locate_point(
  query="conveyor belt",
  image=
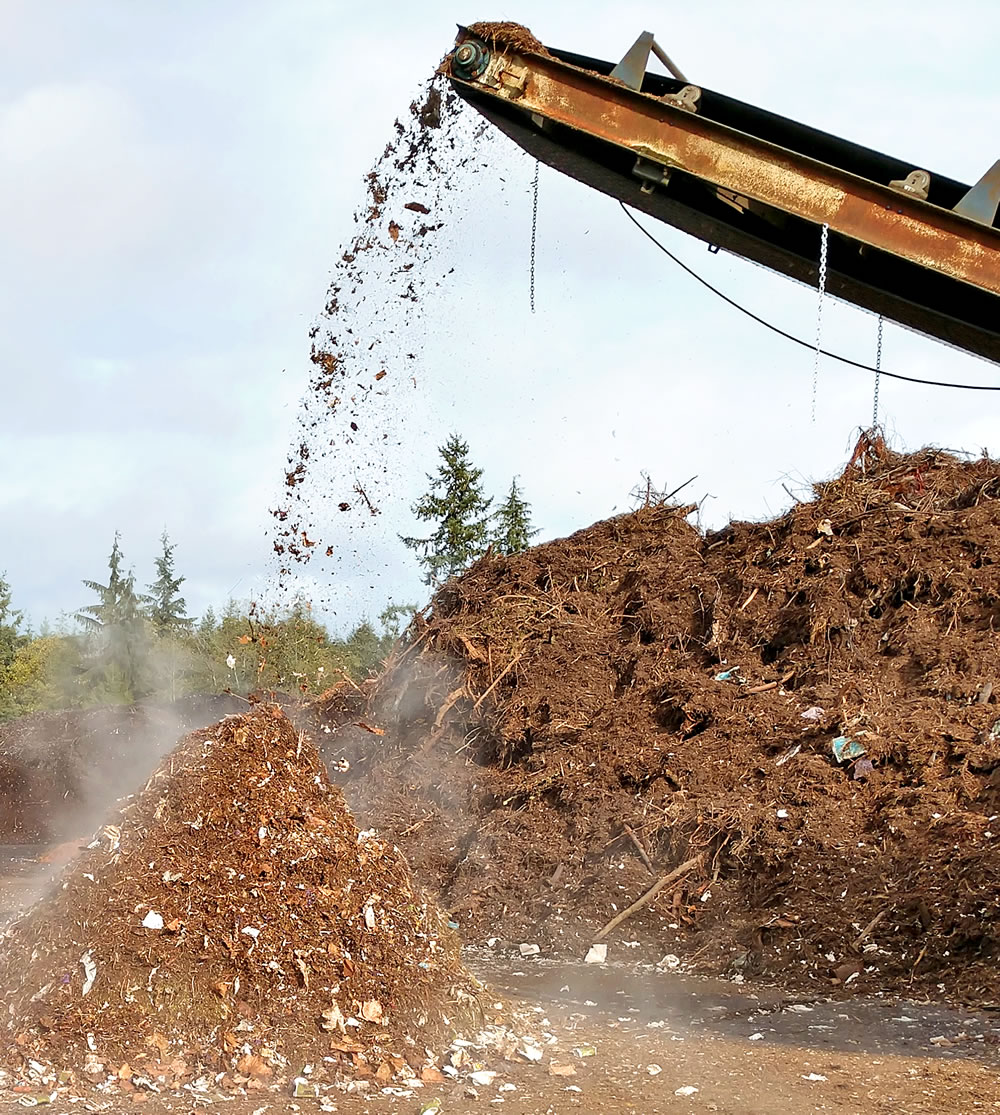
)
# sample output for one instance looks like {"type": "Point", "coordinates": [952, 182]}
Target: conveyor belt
{"type": "Point", "coordinates": [756, 184]}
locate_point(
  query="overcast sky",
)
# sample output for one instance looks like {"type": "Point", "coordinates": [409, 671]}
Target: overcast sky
{"type": "Point", "coordinates": [175, 182]}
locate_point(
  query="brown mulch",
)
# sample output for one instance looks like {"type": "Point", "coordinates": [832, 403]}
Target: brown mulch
{"type": "Point", "coordinates": [61, 771]}
{"type": "Point", "coordinates": [508, 34]}
{"type": "Point", "coordinates": [641, 685]}
{"type": "Point", "coordinates": [233, 920]}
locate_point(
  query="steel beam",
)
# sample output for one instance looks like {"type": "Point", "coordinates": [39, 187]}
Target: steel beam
{"type": "Point", "coordinates": [867, 212]}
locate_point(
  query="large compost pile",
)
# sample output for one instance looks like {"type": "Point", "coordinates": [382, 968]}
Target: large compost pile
{"type": "Point", "coordinates": [232, 919]}
{"type": "Point", "coordinates": [799, 715]}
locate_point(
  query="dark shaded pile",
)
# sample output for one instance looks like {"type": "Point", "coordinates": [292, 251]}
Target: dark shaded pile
{"type": "Point", "coordinates": [556, 699]}
{"type": "Point", "coordinates": [60, 771]}
{"type": "Point", "coordinates": [275, 933]}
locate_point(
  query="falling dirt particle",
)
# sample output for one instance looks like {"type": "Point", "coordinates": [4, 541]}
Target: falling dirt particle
{"type": "Point", "coordinates": [428, 112]}
{"type": "Point", "coordinates": [429, 145]}
{"type": "Point", "coordinates": [343, 507]}
{"type": "Point", "coordinates": [372, 509]}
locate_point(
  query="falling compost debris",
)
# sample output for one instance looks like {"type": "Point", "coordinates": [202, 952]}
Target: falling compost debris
{"type": "Point", "coordinates": [366, 344]}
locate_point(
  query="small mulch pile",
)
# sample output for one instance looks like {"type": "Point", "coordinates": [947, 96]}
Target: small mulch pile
{"type": "Point", "coordinates": [232, 920]}
{"type": "Point", "coordinates": [800, 714]}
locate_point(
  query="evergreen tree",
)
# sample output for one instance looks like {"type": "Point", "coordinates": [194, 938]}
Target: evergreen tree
{"type": "Point", "coordinates": [512, 531]}
{"type": "Point", "coordinates": [11, 635]}
{"type": "Point", "coordinates": [118, 640]}
{"type": "Point", "coordinates": [166, 607]}
{"type": "Point", "coordinates": [392, 618]}
{"type": "Point", "coordinates": [455, 502]}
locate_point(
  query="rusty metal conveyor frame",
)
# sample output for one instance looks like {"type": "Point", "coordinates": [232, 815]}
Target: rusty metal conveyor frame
{"type": "Point", "coordinates": [754, 183]}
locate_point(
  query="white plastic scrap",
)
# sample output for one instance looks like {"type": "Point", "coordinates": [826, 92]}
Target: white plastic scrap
{"type": "Point", "coordinates": [483, 1077]}
{"type": "Point", "coordinates": [598, 954]}
{"type": "Point", "coordinates": [815, 1076]}
{"type": "Point", "coordinates": [89, 972]}
{"type": "Point", "coordinates": [152, 920]}
{"type": "Point", "coordinates": [670, 962]}
{"type": "Point", "coordinates": [528, 950]}
{"type": "Point", "coordinates": [654, 1069]}
{"type": "Point", "coordinates": [530, 1052]}
{"type": "Point", "coordinates": [686, 1090]}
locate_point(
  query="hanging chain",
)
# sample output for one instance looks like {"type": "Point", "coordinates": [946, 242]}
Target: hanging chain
{"type": "Point", "coordinates": [534, 232]}
{"type": "Point", "coordinates": [878, 371]}
{"type": "Point", "coordinates": [823, 245]}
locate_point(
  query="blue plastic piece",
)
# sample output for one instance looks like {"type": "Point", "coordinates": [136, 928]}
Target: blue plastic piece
{"type": "Point", "coordinates": [845, 749]}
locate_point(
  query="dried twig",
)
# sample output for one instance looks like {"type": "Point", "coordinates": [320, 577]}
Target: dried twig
{"type": "Point", "coordinates": [506, 670]}
{"type": "Point", "coordinates": [449, 703]}
{"type": "Point", "coordinates": [654, 890]}
{"type": "Point", "coordinates": [750, 599]}
{"type": "Point", "coordinates": [640, 849]}
{"type": "Point", "coordinates": [768, 685]}
{"type": "Point", "coordinates": [860, 939]}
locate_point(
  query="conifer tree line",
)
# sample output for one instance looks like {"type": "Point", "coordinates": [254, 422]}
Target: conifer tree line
{"type": "Point", "coordinates": [133, 641]}
{"type": "Point", "coordinates": [465, 527]}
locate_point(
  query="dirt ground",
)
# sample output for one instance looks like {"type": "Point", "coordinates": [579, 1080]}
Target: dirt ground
{"type": "Point", "coordinates": [647, 1036]}
{"type": "Point", "coordinates": [771, 754]}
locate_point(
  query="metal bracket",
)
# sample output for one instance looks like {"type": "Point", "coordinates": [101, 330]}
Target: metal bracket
{"type": "Point", "coordinates": [512, 81]}
{"type": "Point", "coordinates": [687, 98]}
{"type": "Point", "coordinates": [632, 68]}
{"type": "Point", "coordinates": [651, 173]}
{"type": "Point", "coordinates": [982, 201]}
{"type": "Point", "coordinates": [737, 201]}
{"type": "Point", "coordinates": [916, 184]}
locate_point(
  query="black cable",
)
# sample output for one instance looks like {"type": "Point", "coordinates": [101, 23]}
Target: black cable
{"type": "Point", "coordinates": [792, 337]}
